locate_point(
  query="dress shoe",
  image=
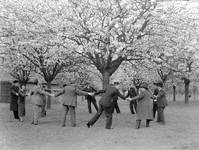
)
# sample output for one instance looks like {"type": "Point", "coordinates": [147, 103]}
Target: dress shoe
{"type": "Point", "coordinates": [88, 125]}
{"type": "Point", "coordinates": [109, 128]}
{"type": "Point", "coordinates": [76, 125]}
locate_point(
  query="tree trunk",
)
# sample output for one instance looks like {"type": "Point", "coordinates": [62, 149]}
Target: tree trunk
{"type": "Point", "coordinates": [186, 81]}
{"type": "Point", "coordinates": [174, 93]}
{"type": "Point", "coordinates": [106, 77]}
{"type": "Point", "coordinates": [48, 106]}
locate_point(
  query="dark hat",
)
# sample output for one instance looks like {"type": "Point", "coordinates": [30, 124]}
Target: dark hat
{"type": "Point", "coordinates": [144, 85]}
{"type": "Point", "coordinates": [116, 83]}
{"type": "Point", "coordinates": [15, 81]}
{"type": "Point", "coordinates": [158, 83]}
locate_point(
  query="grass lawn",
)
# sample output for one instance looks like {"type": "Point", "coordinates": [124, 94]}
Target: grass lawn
{"type": "Point", "coordinates": [180, 132]}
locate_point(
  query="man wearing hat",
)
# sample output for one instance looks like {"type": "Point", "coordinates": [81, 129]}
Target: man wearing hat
{"type": "Point", "coordinates": [89, 98]}
{"type": "Point", "coordinates": [161, 102]}
{"type": "Point", "coordinates": [14, 98]}
{"type": "Point", "coordinates": [69, 101]}
{"type": "Point", "coordinates": [105, 105]}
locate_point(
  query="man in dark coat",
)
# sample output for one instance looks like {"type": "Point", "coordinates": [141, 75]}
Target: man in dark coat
{"type": "Point", "coordinates": [14, 98]}
{"type": "Point", "coordinates": [89, 98]}
{"type": "Point", "coordinates": [114, 105]}
{"type": "Point", "coordinates": [161, 102]}
{"type": "Point", "coordinates": [133, 104]}
{"type": "Point", "coordinates": [105, 105]}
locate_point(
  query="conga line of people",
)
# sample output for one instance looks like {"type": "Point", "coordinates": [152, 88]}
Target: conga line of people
{"type": "Point", "coordinates": [144, 105]}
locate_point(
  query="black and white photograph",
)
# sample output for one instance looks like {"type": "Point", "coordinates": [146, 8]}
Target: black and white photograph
{"type": "Point", "coordinates": [99, 74]}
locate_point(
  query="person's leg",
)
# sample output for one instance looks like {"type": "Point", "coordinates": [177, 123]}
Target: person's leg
{"type": "Point", "coordinates": [95, 104]}
{"type": "Point", "coordinates": [131, 107]}
{"type": "Point", "coordinates": [33, 113]}
{"type": "Point", "coordinates": [112, 107]}
{"type": "Point", "coordinates": [20, 111]}
{"type": "Point", "coordinates": [154, 110]}
{"type": "Point", "coordinates": [72, 115]}
{"type": "Point", "coordinates": [135, 106]}
{"type": "Point", "coordinates": [64, 114]}
{"type": "Point", "coordinates": [108, 114]}
{"type": "Point", "coordinates": [16, 114]}
{"type": "Point", "coordinates": [43, 109]}
{"type": "Point", "coordinates": [96, 116]}
{"type": "Point", "coordinates": [147, 122]}
{"type": "Point", "coordinates": [89, 106]}
{"type": "Point", "coordinates": [138, 123]}
{"type": "Point", "coordinates": [117, 108]}
{"type": "Point", "coordinates": [37, 114]}
{"type": "Point", "coordinates": [158, 117]}
{"type": "Point", "coordinates": [161, 115]}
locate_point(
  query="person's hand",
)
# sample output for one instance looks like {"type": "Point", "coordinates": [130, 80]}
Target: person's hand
{"type": "Point", "coordinates": [128, 99]}
{"type": "Point", "coordinates": [17, 94]}
{"type": "Point", "coordinates": [52, 95]}
{"type": "Point", "coordinates": [28, 94]}
{"type": "Point", "coordinates": [91, 94]}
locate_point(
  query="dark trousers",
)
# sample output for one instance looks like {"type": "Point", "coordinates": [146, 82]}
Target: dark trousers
{"type": "Point", "coordinates": [93, 100]}
{"type": "Point", "coordinates": [16, 114]}
{"type": "Point", "coordinates": [108, 115]}
{"type": "Point", "coordinates": [43, 109]}
{"type": "Point", "coordinates": [132, 106]}
{"type": "Point", "coordinates": [161, 118]}
{"type": "Point", "coordinates": [155, 108]}
{"type": "Point", "coordinates": [114, 105]}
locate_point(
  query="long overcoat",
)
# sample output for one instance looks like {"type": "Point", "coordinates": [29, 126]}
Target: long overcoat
{"type": "Point", "coordinates": [145, 105]}
{"type": "Point", "coordinates": [14, 98]}
{"type": "Point", "coordinates": [21, 103]}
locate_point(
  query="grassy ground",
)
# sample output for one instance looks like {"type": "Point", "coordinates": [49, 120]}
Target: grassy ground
{"type": "Point", "coordinates": [180, 132]}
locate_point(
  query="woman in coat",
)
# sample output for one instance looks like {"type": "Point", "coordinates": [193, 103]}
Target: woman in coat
{"type": "Point", "coordinates": [14, 89]}
{"type": "Point", "coordinates": [145, 106]}
{"type": "Point", "coordinates": [37, 101]}
{"type": "Point", "coordinates": [21, 102]}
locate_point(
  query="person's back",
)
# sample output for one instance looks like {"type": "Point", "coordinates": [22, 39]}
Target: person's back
{"type": "Point", "coordinates": [37, 95]}
{"type": "Point", "coordinates": [107, 97]}
{"type": "Point", "coordinates": [70, 96]}
{"type": "Point", "coordinates": [146, 100]}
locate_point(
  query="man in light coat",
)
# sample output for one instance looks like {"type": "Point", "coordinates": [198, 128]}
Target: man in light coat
{"type": "Point", "coordinates": [69, 101]}
{"type": "Point", "coordinates": [37, 101]}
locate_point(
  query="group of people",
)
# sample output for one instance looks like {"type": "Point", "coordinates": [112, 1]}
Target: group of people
{"type": "Point", "coordinates": [18, 96]}
{"type": "Point", "coordinates": [144, 105]}
{"type": "Point", "coordinates": [17, 103]}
